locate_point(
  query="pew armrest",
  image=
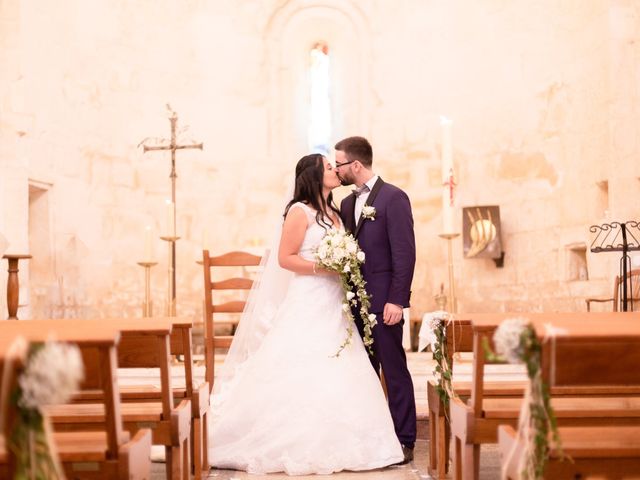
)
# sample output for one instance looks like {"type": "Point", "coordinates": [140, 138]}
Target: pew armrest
{"type": "Point", "coordinates": [135, 456]}
{"type": "Point", "coordinates": [201, 400]}
{"type": "Point", "coordinates": [181, 422]}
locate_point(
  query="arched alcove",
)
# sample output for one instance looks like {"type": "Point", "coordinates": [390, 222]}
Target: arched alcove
{"type": "Point", "coordinates": [292, 32]}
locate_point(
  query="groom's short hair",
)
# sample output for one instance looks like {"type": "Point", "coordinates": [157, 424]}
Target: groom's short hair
{"type": "Point", "coordinates": [357, 148]}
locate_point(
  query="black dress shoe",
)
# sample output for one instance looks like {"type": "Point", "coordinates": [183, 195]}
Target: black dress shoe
{"type": "Point", "coordinates": [408, 455]}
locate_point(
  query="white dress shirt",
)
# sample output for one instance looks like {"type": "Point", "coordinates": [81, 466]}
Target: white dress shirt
{"type": "Point", "coordinates": [362, 198]}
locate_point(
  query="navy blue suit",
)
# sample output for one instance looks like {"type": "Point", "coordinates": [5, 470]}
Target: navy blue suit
{"type": "Point", "coordinates": [390, 249]}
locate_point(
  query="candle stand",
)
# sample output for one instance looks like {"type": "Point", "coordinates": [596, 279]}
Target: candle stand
{"type": "Point", "coordinates": [147, 306]}
{"type": "Point", "coordinates": [13, 287]}
{"type": "Point", "coordinates": [171, 281]}
{"type": "Point", "coordinates": [453, 301]}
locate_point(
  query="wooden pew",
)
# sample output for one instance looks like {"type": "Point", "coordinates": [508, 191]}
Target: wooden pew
{"type": "Point", "coordinates": [585, 356]}
{"type": "Point", "coordinates": [107, 451]}
{"type": "Point", "coordinates": [13, 356]}
{"type": "Point", "coordinates": [180, 344]}
{"type": "Point", "coordinates": [476, 421]}
{"type": "Point", "coordinates": [459, 335]}
{"type": "Point", "coordinates": [144, 344]}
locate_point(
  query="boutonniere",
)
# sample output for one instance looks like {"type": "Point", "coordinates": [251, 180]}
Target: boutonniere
{"type": "Point", "coordinates": [369, 212]}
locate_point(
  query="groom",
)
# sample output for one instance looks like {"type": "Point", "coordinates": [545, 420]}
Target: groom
{"type": "Point", "coordinates": [385, 234]}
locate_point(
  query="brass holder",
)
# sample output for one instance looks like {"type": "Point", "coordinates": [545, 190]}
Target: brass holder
{"type": "Point", "coordinates": [171, 280]}
{"type": "Point", "coordinates": [453, 301]}
{"type": "Point", "coordinates": [147, 306]}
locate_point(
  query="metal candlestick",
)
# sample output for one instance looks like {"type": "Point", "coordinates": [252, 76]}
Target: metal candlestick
{"type": "Point", "coordinates": [453, 301]}
{"type": "Point", "coordinates": [172, 147]}
{"type": "Point", "coordinates": [171, 281]}
{"type": "Point", "coordinates": [147, 306]}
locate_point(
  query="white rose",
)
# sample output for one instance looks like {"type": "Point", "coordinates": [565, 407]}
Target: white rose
{"type": "Point", "coordinates": [360, 256]}
{"type": "Point", "coordinates": [346, 268]}
{"type": "Point", "coordinates": [350, 295]}
{"type": "Point", "coordinates": [338, 254]}
{"type": "Point", "coordinates": [352, 247]}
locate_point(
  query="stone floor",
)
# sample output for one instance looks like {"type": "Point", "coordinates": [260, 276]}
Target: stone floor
{"type": "Point", "coordinates": [416, 470]}
{"type": "Point", "coordinates": [421, 367]}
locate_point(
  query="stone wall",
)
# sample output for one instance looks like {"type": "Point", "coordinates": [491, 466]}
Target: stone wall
{"type": "Point", "coordinates": [544, 99]}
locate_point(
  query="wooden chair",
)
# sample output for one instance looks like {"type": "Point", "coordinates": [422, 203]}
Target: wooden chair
{"type": "Point", "coordinates": [106, 451]}
{"type": "Point", "coordinates": [476, 421]}
{"type": "Point", "coordinates": [580, 360]}
{"type": "Point", "coordinates": [211, 340]}
{"type": "Point", "coordinates": [633, 295]}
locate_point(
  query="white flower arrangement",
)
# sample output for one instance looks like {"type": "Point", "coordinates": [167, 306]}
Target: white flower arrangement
{"type": "Point", "coordinates": [369, 212]}
{"type": "Point", "coordinates": [507, 339]}
{"type": "Point", "coordinates": [438, 339]}
{"type": "Point", "coordinates": [52, 374]}
{"type": "Point", "coordinates": [339, 251]}
{"type": "Point", "coordinates": [515, 341]}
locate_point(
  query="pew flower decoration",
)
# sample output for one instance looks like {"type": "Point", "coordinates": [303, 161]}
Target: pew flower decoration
{"type": "Point", "coordinates": [51, 375]}
{"type": "Point", "coordinates": [515, 341]}
{"type": "Point", "coordinates": [338, 251]}
{"type": "Point", "coordinates": [442, 371]}
{"type": "Point", "coordinates": [369, 212]}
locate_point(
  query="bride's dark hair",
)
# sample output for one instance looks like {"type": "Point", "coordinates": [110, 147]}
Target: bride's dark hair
{"type": "Point", "coordinates": [308, 189]}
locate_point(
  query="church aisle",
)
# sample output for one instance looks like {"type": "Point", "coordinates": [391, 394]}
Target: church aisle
{"type": "Point", "coordinates": [416, 470]}
{"type": "Point", "coordinates": [421, 368]}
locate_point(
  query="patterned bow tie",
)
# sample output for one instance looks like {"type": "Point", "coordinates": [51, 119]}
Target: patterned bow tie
{"type": "Point", "coordinates": [360, 190]}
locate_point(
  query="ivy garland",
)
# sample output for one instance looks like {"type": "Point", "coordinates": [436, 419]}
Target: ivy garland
{"type": "Point", "coordinates": [537, 419]}
{"type": "Point", "coordinates": [443, 369]}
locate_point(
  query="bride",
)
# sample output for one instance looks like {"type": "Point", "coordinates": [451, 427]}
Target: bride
{"type": "Point", "coordinates": [282, 402]}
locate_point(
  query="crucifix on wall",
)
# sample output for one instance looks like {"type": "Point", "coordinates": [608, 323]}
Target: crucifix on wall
{"type": "Point", "coordinates": [171, 237]}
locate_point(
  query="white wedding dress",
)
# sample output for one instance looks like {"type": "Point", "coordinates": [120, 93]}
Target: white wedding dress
{"type": "Point", "coordinates": [295, 408]}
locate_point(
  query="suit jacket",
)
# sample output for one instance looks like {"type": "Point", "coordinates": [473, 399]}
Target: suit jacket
{"type": "Point", "coordinates": [388, 243]}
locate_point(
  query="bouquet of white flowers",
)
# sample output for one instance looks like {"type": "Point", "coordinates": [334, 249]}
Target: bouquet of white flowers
{"type": "Point", "coordinates": [52, 374]}
{"type": "Point", "coordinates": [338, 251]}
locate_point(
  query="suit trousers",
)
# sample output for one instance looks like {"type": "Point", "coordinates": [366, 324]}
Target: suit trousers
{"type": "Point", "coordinates": [389, 355]}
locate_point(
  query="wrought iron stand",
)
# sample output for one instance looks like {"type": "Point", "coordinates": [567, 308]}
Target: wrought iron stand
{"type": "Point", "coordinates": [619, 237]}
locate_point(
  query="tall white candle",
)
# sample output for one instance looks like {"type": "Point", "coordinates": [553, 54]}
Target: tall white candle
{"type": "Point", "coordinates": [148, 245]}
{"type": "Point", "coordinates": [448, 210]}
{"type": "Point", "coordinates": [171, 218]}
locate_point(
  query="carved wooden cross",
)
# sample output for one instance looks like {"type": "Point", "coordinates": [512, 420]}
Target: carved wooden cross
{"type": "Point", "coordinates": [451, 183]}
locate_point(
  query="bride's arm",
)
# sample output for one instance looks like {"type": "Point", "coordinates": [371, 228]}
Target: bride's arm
{"type": "Point", "coordinates": [293, 232]}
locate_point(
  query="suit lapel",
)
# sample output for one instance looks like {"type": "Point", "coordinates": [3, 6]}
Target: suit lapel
{"type": "Point", "coordinates": [370, 199]}
{"type": "Point", "coordinates": [350, 223]}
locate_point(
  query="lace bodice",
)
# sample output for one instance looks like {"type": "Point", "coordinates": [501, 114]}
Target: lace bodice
{"type": "Point", "coordinates": [314, 233]}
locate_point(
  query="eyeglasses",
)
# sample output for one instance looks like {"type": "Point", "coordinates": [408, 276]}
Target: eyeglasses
{"type": "Point", "coordinates": [338, 165]}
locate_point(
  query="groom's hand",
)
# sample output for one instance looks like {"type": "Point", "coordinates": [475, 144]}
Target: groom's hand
{"type": "Point", "coordinates": [392, 314]}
